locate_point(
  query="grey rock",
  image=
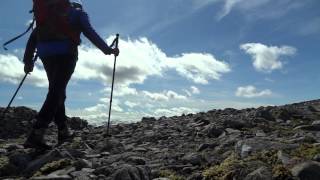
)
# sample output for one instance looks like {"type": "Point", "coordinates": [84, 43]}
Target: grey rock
{"type": "Point", "coordinates": [137, 160]}
{"type": "Point", "coordinates": [252, 145]}
{"type": "Point", "coordinates": [317, 122]}
{"type": "Point", "coordinates": [315, 127]}
{"type": "Point", "coordinates": [283, 157]}
{"type": "Point", "coordinates": [307, 170]}
{"type": "Point", "coordinates": [3, 151]}
{"type": "Point", "coordinates": [193, 158]}
{"type": "Point", "coordinates": [44, 159]}
{"type": "Point", "coordinates": [105, 170]}
{"type": "Point", "coordinates": [263, 173]}
{"type": "Point", "coordinates": [80, 175]}
{"type": "Point", "coordinates": [110, 145]}
{"type": "Point", "coordinates": [235, 124]}
{"type": "Point", "coordinates": [213, 131]}
{"type": "Point", "coordinates": [207, 146]}
{"type": "Point", "coordinates": [148, 120]}
{"type": "Point", "coordinates": [82, 163]}
{"type": "Point", "coordinates": [230, 130]}
{"type": "Point", "coordinates": [128, 172]}
{"type": "Point", "coordinates": [52, 177]}
{"type": "Point", "coordinates": [195, 176]}
{"type": "Point", "coordinates": [316, 158]}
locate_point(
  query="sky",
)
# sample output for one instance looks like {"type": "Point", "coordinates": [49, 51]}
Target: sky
{"type": "Point", "coordinates": [177, 57]}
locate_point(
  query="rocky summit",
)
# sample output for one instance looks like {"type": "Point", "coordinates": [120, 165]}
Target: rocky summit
{"type": "Point", "coordinates": [276, 142]}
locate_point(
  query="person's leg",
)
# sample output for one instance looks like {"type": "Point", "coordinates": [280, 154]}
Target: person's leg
{"type": "Point", "coordinates": [59, 70]}
{"type": "Point", "coordinates": [67, 66]}
{"type": "Point", "coordinates": [36, 137]}
{"type": "Point", "coordinates": [46, 113]}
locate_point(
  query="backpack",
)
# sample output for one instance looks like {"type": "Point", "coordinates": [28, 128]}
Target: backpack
{"type": "Point", "coordinates": [51, 19]}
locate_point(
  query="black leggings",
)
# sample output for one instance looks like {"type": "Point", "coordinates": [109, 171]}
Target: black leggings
{"type": "Point", "coordinates": [59, 70]}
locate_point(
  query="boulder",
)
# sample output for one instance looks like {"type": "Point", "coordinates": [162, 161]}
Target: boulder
{"type": "Point", "coordinates": [307, 170]}
{"type": "Point", "coordinates": [129, 172]}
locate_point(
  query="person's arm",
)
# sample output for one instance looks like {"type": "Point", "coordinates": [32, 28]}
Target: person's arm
{"type": "Point", "coordinates": [29, 52]}
{"type": "Point", "coordinates": [93, 36]}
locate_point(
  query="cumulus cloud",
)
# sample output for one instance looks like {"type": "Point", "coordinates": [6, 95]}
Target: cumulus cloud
{"type": "Point", "coordinates": [174, 111]}
{"type": "Point", "coordinates": [252, 92]}
{"type": "Point", "coordinates": [131, 104]}
{"type": "Point", "coordinates": [195, 90]}
{"type": "Point", "coordinates": [267, 58]}
{"type": "Point", "coordinates": [200, 68]}
{"type": "Point", "coordinates": [139, 59]}
{"type": "Point", "coordinates": [164, 96]}
{"type": "Point", "coordinates": [11, 70]}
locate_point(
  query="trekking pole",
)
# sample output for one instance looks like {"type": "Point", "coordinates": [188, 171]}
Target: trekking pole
{"type": "Point", "coordinates": [115, 42]}
{"type": "Point", "coordinates": [15, 94]}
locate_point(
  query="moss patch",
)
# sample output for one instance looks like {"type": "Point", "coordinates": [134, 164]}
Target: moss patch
{"type": "Point", "coordinates": [306, 151]}
{"type": "Point", "coordinates": [281, 172]}
{"type": "Point", "coordinates": [53, 166]}
{"type": "Point", "coordinates": [268, 156]}
{"type": "Point", "coordinates": [227, 168]}
{"type": "Point", "coordinates": [171, 175]}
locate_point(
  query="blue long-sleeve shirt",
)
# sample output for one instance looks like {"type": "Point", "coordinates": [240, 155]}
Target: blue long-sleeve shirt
{"type": "Point", "coordinates": [78, 19]}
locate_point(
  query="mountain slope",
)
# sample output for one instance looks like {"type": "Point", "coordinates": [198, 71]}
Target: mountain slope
{"type": "Point", "coordinates": [265, 143]}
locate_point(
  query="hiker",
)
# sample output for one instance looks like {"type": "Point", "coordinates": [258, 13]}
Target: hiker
{"type": "Point", "coordinates": [55, 39]}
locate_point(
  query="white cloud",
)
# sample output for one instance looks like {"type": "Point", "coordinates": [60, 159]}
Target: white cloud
{"type": "Point", "coordinates": [252, 92]}
{"type": "Point", "coordinates": [164, 96]}
{"type": "Point", "coordinates": [189, 94]}
{"type": "Point", "coordinates": [252, 9]}
{"type": "Point", "coordinates": [267, 58]}
{"type": "Point", "coordinates": [174, 111]}
{"type": "Point", "coordinates": [195, 90]}
{"type": "Point", "coordinates": [139, 59]}
{"type": "Point", "coordinates": [131, 104]}
{"type": "Point", "coordinates": [120, 90]}
{"type": "Point", "coordinates": [11, 70]}
{"type": "Point", "coordinates": [200, 68]}
{"type": "Point", "coordinates": [228, 5]}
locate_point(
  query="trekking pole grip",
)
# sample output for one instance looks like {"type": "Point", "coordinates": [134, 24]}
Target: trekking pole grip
{"type": "Point", "coordinates": [115, 41]}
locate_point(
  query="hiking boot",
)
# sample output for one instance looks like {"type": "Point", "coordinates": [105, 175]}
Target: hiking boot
{"type": "Point", "coordinates": [36, 140]}
{"type": "Point", "coordinates": [64, 134]}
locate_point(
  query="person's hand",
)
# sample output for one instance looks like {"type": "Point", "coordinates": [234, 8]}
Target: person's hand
{"type": "Point", "coordinates": [115, 51]}
{"type": "Point", "coordinates": [28, 68]}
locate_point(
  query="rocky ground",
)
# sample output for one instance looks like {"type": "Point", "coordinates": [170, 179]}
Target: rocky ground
{"type": "Point", "coordinates": [253, 144]}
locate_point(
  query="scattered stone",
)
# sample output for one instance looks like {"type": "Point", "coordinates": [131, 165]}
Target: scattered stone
{"type": "Point", "coordinates": [137, 160]}
{"type": "Point", "coordinates": [193, 158]}
{"type": "Point", "coordinates": [128, 172]}
{"type": "Point", "coordinates": [52, 177]}
{"type": "Point", "coordinates": [316, 158]}
{"type": "Point", "coordinates": [262, 173]}
{"type": "Point", "coordinates": [307, 170]}
{"type": "Point", "coordinates": [315, 127]}
{"type": "Point", "coordinates": [218, 144]}
{"type": "Point", "coordinates": [213, 132]}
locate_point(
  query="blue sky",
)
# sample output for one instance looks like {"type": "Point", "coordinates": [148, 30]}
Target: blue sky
{"type": "Point", "coordinates": [178, 56]}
